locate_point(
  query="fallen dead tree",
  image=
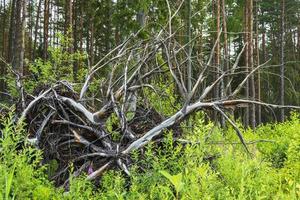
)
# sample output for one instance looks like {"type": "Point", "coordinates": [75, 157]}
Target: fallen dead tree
{"type": "Point", "coordinates": [70, 128]}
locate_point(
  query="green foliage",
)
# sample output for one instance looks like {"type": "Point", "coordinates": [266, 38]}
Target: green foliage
{"type": "Point", "coordinates": [176, 181]}
{"type": "Point", "coordinates": [58, 66]}
{"type": "Point", "coordinates": [20, 173]}
{"type": "Point", "coordinates": [111, 123]}
{"type": "Point", "coordinates": [213, 166]}
{"type": "Point", "coordinates": [164, 100]}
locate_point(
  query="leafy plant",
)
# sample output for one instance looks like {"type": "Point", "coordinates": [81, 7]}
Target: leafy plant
{"type": "Point", "coordinates": [176, 181]}
{"type": "Point", "coordinates": [214, 168]}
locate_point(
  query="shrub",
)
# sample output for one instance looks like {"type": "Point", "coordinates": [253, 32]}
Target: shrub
{"type": "Point", "coordinates": [216, 168]}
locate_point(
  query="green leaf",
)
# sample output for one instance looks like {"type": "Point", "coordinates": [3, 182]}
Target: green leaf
{"type": "Point", "coordinates": [8, 182]}
{"type": "Point", "coordinates": [176, 180]}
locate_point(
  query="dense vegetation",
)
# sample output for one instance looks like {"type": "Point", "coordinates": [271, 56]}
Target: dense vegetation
{"type": "Point", "coordinates": [215, 168]}
{"type": "Point", "coordinates": [153, 99]}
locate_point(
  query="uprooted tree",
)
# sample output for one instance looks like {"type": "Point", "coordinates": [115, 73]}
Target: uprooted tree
{"type": "Point", "coordinates": [70, 127]}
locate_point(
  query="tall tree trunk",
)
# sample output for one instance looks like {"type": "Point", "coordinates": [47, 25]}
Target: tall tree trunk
{"type": "Point", "coordinates": [18, 43]}
{"type": "Point", "coordinates": [257, 63]}
{"type": "Point", "coordinates": [91, 50]}
{"type": "Point", "coordinates": [68, 23]}
{"type": "Point", "coordinates": [75, 37]}
{"type": "Point", "coordinates": [298, 39]}
{"type": "Point", "coordinates": [217, 13]}
{"type": "Point", "coordinates": [246, 28]}
{"type": "Point", "coordinates": [19, 40]}
{"type": "Point", "coordinates": [81, 28]}
{"type": "Point", "coordinates": [108, 25]}
{"type": "Point", "coordinates": [218, 44]}
{"type": "Point", "coordinates": [251, 66]}
{"type": "Point", "coordinates": [22, 39]}
{"type": "Point", "coordinates": [12, 31]}
{"type": "Point", "coordinates": [4, 49]}
{"type": "Point", "coordinates": [36, 28]}
{"type": "Point", "coordinates": [46, 28]}
{"type": "Point", "coordinates": [226, 53]}
{"type": "Point", "coordinates": [264, 56]}
{"type": "Point", "coordinates": [189, 46]}
{"type": "Point", "coordinates": [282, 56]}
{"type": "Point", "coordinates": [30, 31]}
{"type": "Point", "coordinates": [4, 30]}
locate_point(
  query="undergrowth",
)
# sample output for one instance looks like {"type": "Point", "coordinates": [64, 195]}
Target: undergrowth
{"type": "Point", "coordinates": [213, 166]}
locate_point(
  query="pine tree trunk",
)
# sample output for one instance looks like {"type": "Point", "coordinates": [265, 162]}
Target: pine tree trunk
{"type": "Point", "coordinates": [12, 32]}
{"type": "Point", "coordinates": [3, 30]}
{"type": "Point", "coordinates": [282, 56]}
{"type": "Point", "coordinates": [4, 49]}
{"type": "Point", "coordinates": [91, 50]}
{"type": "Point", "coordinates": [246, 39]}
{"type": "Point", "coordinates": [216, 11]}
{"type": "Point", "coordinates": [22, 39]}
{"type": "Point", "coordinates": [251, 66]}
{"type": "Point", "coordinates": [30, 41]}
{"type": "Point", "coordinates": [298, 41]}
{"type": "Point", "coordinates": [75, 37]}
{"type": "Point", "coordinates": [189, 47]}
{"type": "Point", "coordinates": [69, 23]}
{"type": "Point", "coordinates": [108, 26]}
{"type": "Point", "coordinates": [257, 63]}
{"type": "Point", "coordinates": [36, 28]}
{"type": "Point", "coordinates": [19, 40]}
{"type": "Point", "coordinates": [226, 53]}
{"type": "Point", "coordinates": [46, 28]}
{"type": "Point", "coordinates": [218, 46]}
{"type": "Point", "coordinates": [81, 28]}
